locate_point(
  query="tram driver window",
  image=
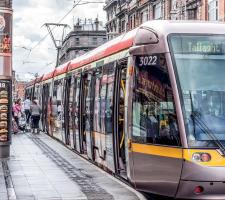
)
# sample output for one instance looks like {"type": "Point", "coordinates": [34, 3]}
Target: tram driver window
{"type": "Point", "coordinates": [154, 115]}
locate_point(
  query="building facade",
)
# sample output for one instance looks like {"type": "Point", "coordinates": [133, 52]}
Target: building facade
{"type": "Point", "coordinates": [85, 37]}
{"type": "Point", "coordinates": [19, 90]}
{"type": "Point", "coordinates": [6, 3]}
{"type": "Point", "coordinates": [123, 15]}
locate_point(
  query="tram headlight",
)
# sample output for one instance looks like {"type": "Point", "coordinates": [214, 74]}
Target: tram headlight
{"type": "Point", "coordinates": [201, 157]}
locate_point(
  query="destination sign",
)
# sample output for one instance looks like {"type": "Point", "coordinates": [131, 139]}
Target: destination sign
{"type": "Point", "coordinates": [204, 47]}
{"type": "Point", "coordinates": [214, 45]}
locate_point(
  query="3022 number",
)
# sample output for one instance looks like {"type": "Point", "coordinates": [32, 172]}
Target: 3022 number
{"type": "Point", "coordinates": [148, 60]}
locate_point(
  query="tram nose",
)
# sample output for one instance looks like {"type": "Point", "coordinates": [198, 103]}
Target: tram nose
{"type": "Point", "coordinates": [201, 190]}
{"type": "Point", "coordinates": [202, 175]}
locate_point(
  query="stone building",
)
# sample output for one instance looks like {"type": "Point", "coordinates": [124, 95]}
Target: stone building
{"type": "Point", "coordinates": [123, 15]}
{"type": "Point", "coordinates": [84, 37]}
{"type": "Point", "coordinates": [6, 3]}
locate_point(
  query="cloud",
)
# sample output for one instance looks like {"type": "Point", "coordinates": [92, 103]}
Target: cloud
{"type": "Point", "coordinates": [28, 19]}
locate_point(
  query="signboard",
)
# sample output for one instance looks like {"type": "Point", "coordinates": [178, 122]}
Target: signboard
{"type": "Point", "coordinates": [5, 32]}
{"type": "Point", "coordinates": [4, 110]}
{"type": "Point", "coordinates": [5, 42]}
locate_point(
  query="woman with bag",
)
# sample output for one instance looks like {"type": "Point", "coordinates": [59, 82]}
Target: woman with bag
{"type": "Point", "coordinates": [35, 111]}
{"type": "Point", "coordinates": [17, 111]}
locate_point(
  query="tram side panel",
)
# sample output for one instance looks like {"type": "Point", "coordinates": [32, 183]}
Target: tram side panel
{"type": "Point", "coordinates": [156, 149]}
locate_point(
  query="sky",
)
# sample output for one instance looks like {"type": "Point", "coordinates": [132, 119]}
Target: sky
{"type": "Point", "coordinates": [31, 56]}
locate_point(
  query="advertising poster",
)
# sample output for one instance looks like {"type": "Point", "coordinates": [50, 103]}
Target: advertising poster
{"type": "Point", "coordinates": [5, 42]}
{"type": "Point", "coordinates": [4, 110]}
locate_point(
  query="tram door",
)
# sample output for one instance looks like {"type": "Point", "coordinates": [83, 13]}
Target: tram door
{"type": "Point", "coordinates": [87, 125]}
{"type": "Point", "coordinates": [88, 113]}
{"type": "Point", "coordinates": [67, 109]}
{"type": "Point", "coordinates": [76, 111]}
{"type": "Point", "coordinates": [70, 112]}
{"type": "Point", "coordinates": [45, 101]}
{"type": "Point", "coordinates": [119, 119]}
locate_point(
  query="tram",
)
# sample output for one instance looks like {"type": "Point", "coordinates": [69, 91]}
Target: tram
{"type": "Point", "coordinates": [148, 106]}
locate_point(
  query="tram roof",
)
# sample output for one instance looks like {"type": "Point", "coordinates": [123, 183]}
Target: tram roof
{"type": "Point", "coordinates": [39, 79]}
{"type": "Point", "coordinates": [48, 75]}
{"type": "Point", "coordinates": [61, 69]}
{"type": "Point", "coordinates": [113, 46]}
{"type": "Point", "coordinates": [166, 27]}
{"type": "Point", "coordinates": [124, 41]}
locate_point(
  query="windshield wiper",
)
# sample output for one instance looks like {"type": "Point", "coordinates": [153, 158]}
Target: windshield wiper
{"type": "Point", "coordinates": [208, 132]}
{"type": "Point", "coordinates": [202, 125]}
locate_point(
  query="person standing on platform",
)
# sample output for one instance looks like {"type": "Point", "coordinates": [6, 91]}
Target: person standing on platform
{"type": "Point", "coordinates": [35, 111]}
{"type": "Point", "coordinates": [27, 104]}
{"type": "Point", "coordinates": [17, 111]}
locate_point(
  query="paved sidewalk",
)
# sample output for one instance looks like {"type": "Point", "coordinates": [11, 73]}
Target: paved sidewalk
{"type": "Point", "coordinates": [41, 168]}
{"type": "Point", "coordinates": [3, 190]}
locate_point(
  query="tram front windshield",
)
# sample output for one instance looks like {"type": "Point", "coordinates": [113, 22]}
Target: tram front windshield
{"type": "Point", "coordinates": [200, 67]}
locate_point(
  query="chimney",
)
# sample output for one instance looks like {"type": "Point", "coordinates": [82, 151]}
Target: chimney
{"type": "Point", "coordinates": [96, 24]}
{"type": "Point", "coordinates": [77, 26]}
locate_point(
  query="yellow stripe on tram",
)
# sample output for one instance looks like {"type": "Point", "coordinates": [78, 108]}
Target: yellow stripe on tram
{"type": "Point", "coordinates": [217, 160]}
{"type": "Point", "coordinates": [171, 152]}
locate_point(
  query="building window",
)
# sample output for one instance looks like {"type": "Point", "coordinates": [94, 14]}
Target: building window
{"type": "Point", "coordinates": [77, 41]}
{"type": "Point", "coordinates": [131, 22]}
{"type": "Point", "coordinates": [173, 4]}
{"type": "Point", "coordinates": [94, 41]}
{"type": "Point", "coordinates": [123, 26]}
{"type": "Point", "coordinates": [157, 10]}
{"type": "Point", "coordinates": [192, 14]}
{"type": "Point", "coordinates": [144, 16]}
{"type": "Point", "coordinates": [213, 10]}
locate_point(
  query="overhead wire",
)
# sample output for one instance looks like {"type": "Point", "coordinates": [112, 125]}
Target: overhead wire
{"type": "Point", "coordinates": [45, 36]}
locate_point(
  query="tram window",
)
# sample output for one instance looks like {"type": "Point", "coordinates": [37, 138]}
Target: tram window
{"type": "Point", "coordinates": [97, 102]}
{"type": "Point", "coordinates": [103, 103]}
{"type": "Point", "coordinates": [71, 92]}
{"type": "Point", "coordinates": [88, 101]}
{"type": "Point", "coordinates": [154, 115]}
{"type": "Point", "coordinates": [103, 90]}
{"type": "Point", "coordinates": [76, 101]}
{"type": "Point", "coordinates": [109, 97]}
{"type": "Point", "coordinates": [57, 105]}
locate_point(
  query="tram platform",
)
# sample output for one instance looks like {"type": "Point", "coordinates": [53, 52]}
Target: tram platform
{"type": "Point", "coordinates": [40, 168]}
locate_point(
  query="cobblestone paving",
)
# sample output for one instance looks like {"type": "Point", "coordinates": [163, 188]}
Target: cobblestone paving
{"type": "Point", "coordinates": [86, 183]}
{"type": "Point", "coordinates": [41, 168]}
